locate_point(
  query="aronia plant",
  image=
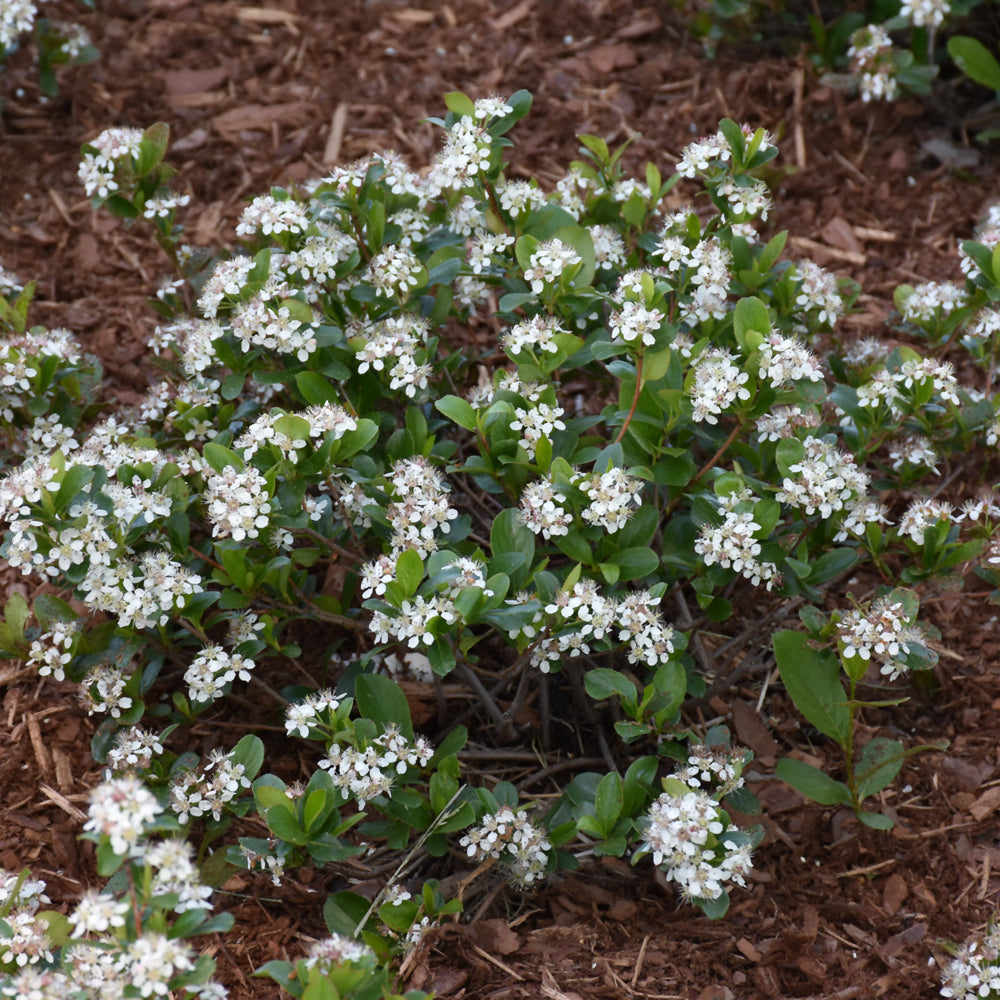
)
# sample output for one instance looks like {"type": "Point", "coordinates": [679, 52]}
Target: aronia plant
{"type": "Point", "coordinates": [417, 426]}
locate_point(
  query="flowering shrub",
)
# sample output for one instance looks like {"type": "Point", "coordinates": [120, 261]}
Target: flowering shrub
{"type": "Point", "coordinates": [57, 43]}
{"type": "Point", "coordinates": [653, 435]}
{"type": "Point", "coordinates": [974, 972]}
{"type": "Point", "coordinates": [880, 51]}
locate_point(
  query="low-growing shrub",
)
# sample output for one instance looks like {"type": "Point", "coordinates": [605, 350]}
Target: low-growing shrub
{"type": "Point", "coordinates": [447, 424]}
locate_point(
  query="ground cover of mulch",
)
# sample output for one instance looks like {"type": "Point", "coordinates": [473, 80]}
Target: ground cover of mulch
{"type": "Point", "coordinates": [257, 96]}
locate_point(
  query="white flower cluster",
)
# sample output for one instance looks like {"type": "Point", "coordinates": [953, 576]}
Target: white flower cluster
{"type": "Point", "coordinates": [103, 690]}
{"type": "Point", "coordinates": [237, 503]}
{"type": "Point", "coordinates": [269, 216]}
{"type": "Point", "coordinates": [711, 261]}
{"type": "Point", "coordinates": [681, 832]}
{"type": "Point", "coordinates": [871, 55]}
{"type": "Point", "coordinates": [519, 198]}
{"type": "Point", "coordinates": [718, 382]}
{"type": "Point", "coordinates": [635, 324]}
{"type": "Point", "coordinates": [366, 773]}
{"type": "Point", "coordinates": [119, 810]}
{"type": "Point", "coordinates": [133, 750]}
{"type": "Point", "coordinates": [416, 623]}
{"type": "Point", "coordinates": [718, 767]}
{"type": "Point", "coordinates": [923, 514]}
{"type": "Point", "coordinates": [23, 894]}
{"type": "Point", "coordinates": [160, 206]}
{"type": "Point", "coordinates": [818, 295]}
{"type": "Point", "coordinates": [610, 250]}
{"type": "Point", "coordinates": [97, 912]}
{"type": "Point", "coordinates": [880, 630]}
{"type": "Point", "coordinates": [985, 326]}
{"type": "Point", "coordinates": [541, 509]}
{"type": "Point", "coordinates": [301, 716]}
{"type": "Point", "coordinates": [925, 13]}
{"type": "Point", "coordinates": [175, 871]}
{"type": "Point", "coordinates": [28, 943]}
{"type": "Point", "coordinates": [98, 170]}
{"type": "Point", "coordinates": [783, 421]}
{"type": "Point", "coordinates": [548, 262]}
{"type": "Point", "coordinates": [484, 251]}
{"type": "Point", "coordinates": [212, 669]}
{"type": "Point", "coordinates": [464, 156]}
{"type": "Point", "coordinates": [391, 345]}
{"type": "Point", "coordinates": [650, 639]}
{"type": "Point", "coordinates": [784, 360]}
{"type": "Point", "coordinates": [746, 197]}
{"type": "Point", "coordinates": [16, 16]}
{"type": "Point", "coordinates": [913, 450]}
{"type": "Point", "coordinates": [613, 497]}
{"type": "Point", "coordinates": [53, 650]}
{"type": "Point", "coordinates": [420, 509]}
{"type": "Point", "coordinates": [733, 544]}
{"type": "Point", "coordinates": [192, 795]}
{"type": "Point", "coordinates": [329, 953]}
{"type": "Point", "coordinates": [227, 280]}
{"type": "Point", "coordinates": [933, 300]}
{"type": "Point", "coordinates": [974, 972]}
{"type": "Point", "coordinates": [536, 424]}
{"type": "Point", "coordinates": [702, 154]}
{"type": "Point", "coordinates": [259, 323]}
{"type": "Point", "coordinates": [533, 335]}
{"type": "Point", "coordinates": [142, 592]}
{"type": "Point", "coordinates": [319, 255]}
{"type": "Point", "coordinates": [394, 271]}
{"type": "Point", "coordinates": [110, 966]}
{"type": "Point", "coordinates": [508, 835]}
{"type": "Point", "coordinates": [565, 627]}
{"type": "Point", "coordinates": [825, 480]}
{"type": "Point", "coordinates": [22, 357]}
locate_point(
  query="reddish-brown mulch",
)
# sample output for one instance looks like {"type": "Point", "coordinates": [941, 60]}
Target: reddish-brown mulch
{"type": "Point", "coordinates": [260, 96]}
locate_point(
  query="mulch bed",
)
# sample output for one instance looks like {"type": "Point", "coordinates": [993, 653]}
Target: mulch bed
{"type": "Point", "coordinates": [263, 96]}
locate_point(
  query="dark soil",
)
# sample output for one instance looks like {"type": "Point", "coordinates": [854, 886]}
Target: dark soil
{"type": "Point", "coordinates": [263, 96]}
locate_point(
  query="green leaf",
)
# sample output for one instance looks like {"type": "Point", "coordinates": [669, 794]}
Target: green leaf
{"type": "Point", "coordinates": [315, 389]}
{"type": "Point", "coordinates": [219, 457]}
{"type": "Point", "coordinates": [460, 104]}
{"type": "Point", "coordinates": [343, 911]}
{"type": "Point", "coordinates": [635, 563]}
{"type": "Point", "coordinates": [285, 826]}
{"type": "Point", "coordinates": [975, 60]}
{"type": "Point", "coordinates": [153, 147]}
{"type": "Point", "coordinates": [812, 679]}
{"type": "Point", "coordinates": [457, 410]}
{"type": "Point", "coordinates": [608, 802]}
{"type": "Point", "coordinates": [714, 909]}
{"type": "Point", "coordinates": [293, 427]}
{"type": "Point", "coordinates": [879, 763]}
{"type": "Point", "coordinates": [603, 682]}
{"type": "Point", "coordinates": [750, 316]}
{"type": "Point", "coordinates": [877, 821]}
{"type": "Point", "coordinates": [812, 782]}
{"type": "Point", "coordinates": [72, 482]}
{"type": "Point", "coordinates": [832, 564]}
{"type": "Point", "coordinates": [250, 753]}
{"type": "Point", "coordinates": [409, 572]}
{"type": "Point", "coordinates": [381, 699]}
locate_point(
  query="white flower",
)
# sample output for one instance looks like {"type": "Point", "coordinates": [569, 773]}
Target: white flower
{"type": "Point", "coordinates": [548, 262]}
{"type": "Point", "coordinates": [718, 383]}
{"type": "Point", "coordinates": [237, 503]}
{"type": "Point", "coordinates": [120, 810]}
{"type": "Point", "coordinates": [613, 496]}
